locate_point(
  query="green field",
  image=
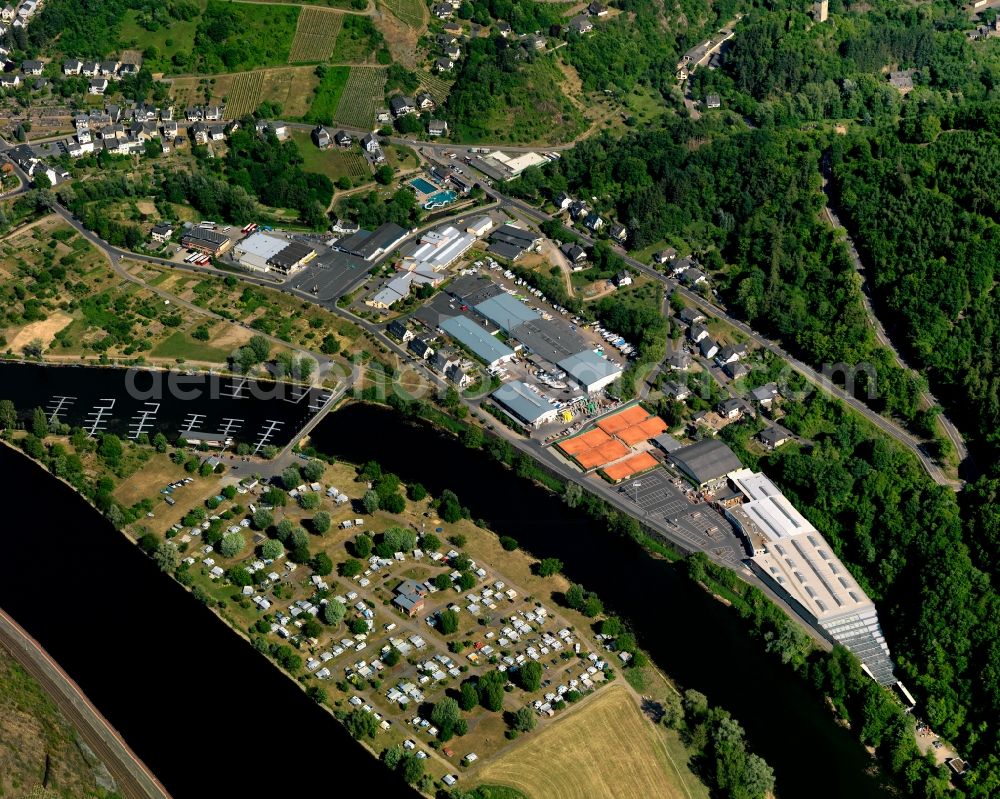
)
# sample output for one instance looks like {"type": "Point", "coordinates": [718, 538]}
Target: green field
{"type": "Point", "coordinates": [167, 40]}
{"type": "Point", "coordinates": [324, 105]}
{"type": "Point", "coordinates": [181, 345]}
{"type": "Point", "coordinates": [357, 41]}
{"type": "Point", "coordinates": [334, 163]}
{"type": "Point", "coordinates": [232, 37]}
{"type": "Point", "coordinates": [316, 35]}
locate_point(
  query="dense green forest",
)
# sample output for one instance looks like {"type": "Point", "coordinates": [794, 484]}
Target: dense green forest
{"type": "Point", "coordinates": [926, 220]}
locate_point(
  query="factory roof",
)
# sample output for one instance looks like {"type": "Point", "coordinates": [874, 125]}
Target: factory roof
{"type": "Point", "coordinates": [478, 340]}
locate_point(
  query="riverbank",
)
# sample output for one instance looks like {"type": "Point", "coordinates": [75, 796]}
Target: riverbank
{"type": "Point", "coordinates": [133, 779]}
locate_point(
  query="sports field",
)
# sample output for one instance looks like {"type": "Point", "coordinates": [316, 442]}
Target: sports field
{"type": "Point", "coordinates": [571, 758]}
{"type": "Point", "coordinates": [315, 35]}
{"type": "Point", "coordinates": [363, 95]}
{"type": "Point", "coordinates": [626, 468]}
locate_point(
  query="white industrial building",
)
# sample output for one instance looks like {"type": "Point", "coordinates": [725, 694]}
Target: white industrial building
{"type": "Point", "coordinates": [438, 250]}
{"type": "Point", "coordinates": [256, 250]}
{"type": "Point", "coordinates": [793, 558]}
{"type": "Point", "coordinates": [591, 371]}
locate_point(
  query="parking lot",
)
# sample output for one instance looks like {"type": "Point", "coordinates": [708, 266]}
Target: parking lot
{"type": "Point", "coordinates": [664, 498]}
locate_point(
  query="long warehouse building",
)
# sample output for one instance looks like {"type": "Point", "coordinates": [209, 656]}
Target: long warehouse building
{"type": "Point", "coordinates": [791, 556]}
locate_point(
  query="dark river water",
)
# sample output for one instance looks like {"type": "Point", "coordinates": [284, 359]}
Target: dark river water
{"type": "Point", "coordinates": [127, 402]}
{"type": "Point", "coordinates": [698, 641]}
{"type": "Point", "coordinates": [209, 715]}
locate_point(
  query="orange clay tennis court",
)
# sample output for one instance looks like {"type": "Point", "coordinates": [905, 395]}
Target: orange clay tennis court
{"type": "Point", "coordinates": [610, 451]}
{"type": "Point", "coordinates": [589, 440]}
{"type": "Point", "coordinates": [629, 466]}
{"type": "Point", "coordinates": [619, 421]}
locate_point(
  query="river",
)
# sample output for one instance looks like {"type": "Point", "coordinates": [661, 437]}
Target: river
{"type": "Point", "coordinates": [696, 640]}
{"type": "Point", "coordinates": [208, 714]}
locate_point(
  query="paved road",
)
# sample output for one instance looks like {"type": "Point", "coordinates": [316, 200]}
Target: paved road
{"type": "Point", "coordinates": [134, 780]}
{"type": "Point", "coordinates": [867, 299]}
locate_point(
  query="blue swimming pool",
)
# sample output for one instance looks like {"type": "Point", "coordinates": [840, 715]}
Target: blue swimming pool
{"type": "Point", "coordinates": [423, 186]}
{"type": "Point", "coordinates": [439, 200]}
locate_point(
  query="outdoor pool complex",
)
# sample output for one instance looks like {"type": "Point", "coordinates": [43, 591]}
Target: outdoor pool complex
{"type": "Point", "coordinates": [423, 186]}
{"type": "Point", "coordinates": [439, 200]}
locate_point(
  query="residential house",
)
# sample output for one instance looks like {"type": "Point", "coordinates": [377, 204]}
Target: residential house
{"type": "Point", "coordinates": [421, 348]}
{"type": "Point", "coordinates": [442, 10]}
{"type": "Point", "coordinates": [409, 597]}
{"type": "Point", "coordinates": [623, 278]}
{"type": "Point", "coordinates": [595, 9]}
{"type": "Point", "coordinates": [618, 232]}
{"type": "Point", "coordinates": [169, 129]}
{"type": "Point", "coordinates": [504, 29]}
{"type": "Point", "coordinates": [679, 361]}
{"type": "Point", "coordinates": [128, 70]}
{"type": "Point", "coordinates": [765, 395]}
{"type": "Point", "coordinates": [563, 201]}
{"type": "Point", "coordinates": [321, 137]}
{"type": "Point", "coordinates": [581, 24]}
{"type": "Point", "coordinates": [216, 132]}
{"type": "Point", "coordinates": [707, 347]}
{"type": "Point", "coordinates": [453, 51]}
{"type": "Point", "coordinates": [10, 80]}
{"type": "Point", "coordinates": [593, 222]}
{"type": "Point", "coordinates": [400, 105]}
{"type": "Point", "coordinates": [691, 315]}
{"type": "Point", "coordinates": [774, 436]}
{"type": "Point", "coordinates": [533, 42]}
{"type": "Point", "coordinates": [109, 68]}
{"type": "Point", "coordinates": [733, 408]}
{"type": "Point", "coordinates": [213, 113]}
{"type": "Point", "coordinates": [677, 391]}
{"type": "Point", "coordinates": [693, 277]}
{"type": "Point", "coordinates": [32, 67]}
{"type": "Point", "coordinates": [437, 127]}
{"type": "Point", "coordinates": [342, 139]}
{"type": "Point", "coordinates": [713, 101]}
{"type": "Point", "coordinates": [383, 115]}
{"type": "Point", "coordinates": [199, 132]}
{"type": "Point", "coordinates": [458, 376]}
{"type": "Point", "coordinates": [578, 209]}
{"type": "Point", "coordinates": [424, 101]}
{"type": "Point", "coordinates": [161, 232]}
{"type": "Point", "coordinates": [574, 252]}
{"type": "Point", "coordinates": [697, 332]}
{"type": "Point", "coordinates": [399, 331]}
{"type": "Point", "coordinates": [730, 354]}
{"type": "Point", "coordinates": [735, 370]}
{"type": "Point", "coordinates": [664, 256]}
{"type": "Point", "coordinates": [98, 85]}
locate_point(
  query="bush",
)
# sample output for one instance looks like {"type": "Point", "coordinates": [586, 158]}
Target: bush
{"type": "Point", "coordinates": [508, 543]}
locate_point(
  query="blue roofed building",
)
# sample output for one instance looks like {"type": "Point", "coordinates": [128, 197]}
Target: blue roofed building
{"type": "Point", "coordinates": [590, 370]}
{"type": "Point", "coordinates": [525, 404]}
{"type": "Point", "coordinates": [477, 340]}
{"type": "Point", "coordinates": [506, 312]}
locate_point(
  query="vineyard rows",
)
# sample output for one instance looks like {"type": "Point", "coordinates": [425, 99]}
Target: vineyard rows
{"type": "Point", "coordinates": [244, 96]}
{"type": "Point", "coordinates": [315, 35]}
{"type": "Point", "coordinates": [363, 95]}
{"type": "Point", "coordinates": [356, 166]}
{"type": "Point", "coordinates": [409, 12]}
{"type": "Point", "coordinates": [435, 85]}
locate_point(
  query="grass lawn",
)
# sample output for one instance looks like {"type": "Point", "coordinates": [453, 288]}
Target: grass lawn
{"type": "Point", "coordinates": [334, 163]}
{"type": "Point", "coordinates": [177, 37]}
{"type": "Point", "coordinates": [397, 155]}
{"type": "Point", "coordinates": [560, 762]}
{"type": "Point", "coordinates": [181, 345]}
{"type": "Point", "coordinates": [328, 93]}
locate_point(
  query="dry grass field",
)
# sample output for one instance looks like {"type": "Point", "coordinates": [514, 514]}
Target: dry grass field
{"type": "Point", "coordinates": [243, 92]}
{"type": "Point", "coordinates": [315, 35]}
{"type": "Point", "coordinates": [606, 748]}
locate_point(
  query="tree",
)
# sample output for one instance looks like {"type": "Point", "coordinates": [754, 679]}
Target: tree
{"type": "Point", "coordinates": [394, 503]}
{"type": "Point", "coordinates": [412, 768]}
{"type": "Point", "coordinates": [447, 622]}
{"type": "Point", "coordinates": [111, 450]}
{"type": "Point", "coordinates": [284, 529]}
{"type": "Point", "coordinates": [468, 696]}
{"type": "Point", "coordinates": [445, 715]}
{"type": "Point", "coordinates": [240, 575]}
{"type": "Point", "coordinates": [260, 347]}
{"type": "Point", "coordinates": [491, 692]}
{"type": "Point", "coordinates": [272, 549]}
{"type": "Point", "coordinates": [416, 492]}
{"type": "Point", "coordinates": [384, 174]}
{"type": "Point", "coordinates": [290, 477]}
{"type": "Point", "coordinates": [466, 580]}
{"type": "Point", "coordinates": [166, 556]}
{"type": "Point", "coordinates": [695, 704]}
{"type": "Point", "coordinates": [524, 720]}
{"type": "Point", "coordinates": [572, 494]}
{"type": "Point", "coordinates": [392, 756]}
{"type": "Point", "coordinates": [362, 545]}
{"type": "Point", "coordinates": [311, 628]}
{"type": "Point", "coordinates": [442, 581]}
{"type": "Point", "coordinates": [508, 543]}
{"type": "Point", "coordinates": [430, 542]}
{"type": "Point", "coordinates": [361, 724]}
{"type": "Point", "coordinates": [350, 568]}
{"type": "Point", "coordinates": [263, 518]}
{"type": "Point", "coordinates": [333, 612]}
{"type": "Point", "coordinates": [673, 711]}
{"type": "Point", "coordinates": [8, 415]}
{"type": "Point", "coordinates": [392, 657]}
{"type": "Point", "coordinates": [548, 566]}
{"type": "Point", "coordinates": [321, 564]}
{"type": "Point", "coordinates": [313, 470]}
{"type": "Point", "coordinates": [232, 545]}
{"type": "Point", "coordinates": [39, 423]}
{"type": "Point", "coordinates": [370, 502]}
{"type": "Point", "coordinates": [321, 522]}
{"type": "Point", "coordinates": [529, 676]}
{"type": "Point", "coordinates": [309, 500]}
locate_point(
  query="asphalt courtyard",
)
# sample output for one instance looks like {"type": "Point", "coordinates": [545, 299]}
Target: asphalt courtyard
{"type": "Point", "coordinates": [660, 497]}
